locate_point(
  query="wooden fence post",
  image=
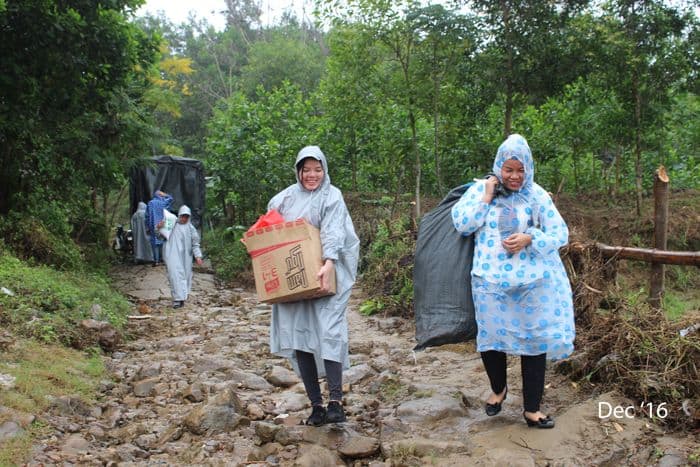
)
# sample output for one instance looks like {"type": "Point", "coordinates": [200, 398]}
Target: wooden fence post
{"type": "Point", "coordinates": [657, 278]}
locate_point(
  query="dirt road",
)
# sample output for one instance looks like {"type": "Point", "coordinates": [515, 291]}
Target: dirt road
{"type": "Point", "coordinates": [198, 386]}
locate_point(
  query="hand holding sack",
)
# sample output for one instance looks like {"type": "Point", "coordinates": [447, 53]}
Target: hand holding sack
{"type": "Point", "coordinates": [169, 220]}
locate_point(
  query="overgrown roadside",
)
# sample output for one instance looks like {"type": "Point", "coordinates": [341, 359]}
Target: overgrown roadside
{"type": "Point", "coordinates": [54, 326]}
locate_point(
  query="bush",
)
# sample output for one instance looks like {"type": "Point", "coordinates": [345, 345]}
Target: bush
{"type": "Point", "coordinates": [389, 269]}
{"type": "Point", "coordinates": [229, 256]}
{"type": "Point", "coordinates": [42, 240]}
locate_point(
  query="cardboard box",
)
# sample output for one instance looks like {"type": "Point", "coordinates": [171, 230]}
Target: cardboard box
{"type": "Point", "coordinates": [286, 258]}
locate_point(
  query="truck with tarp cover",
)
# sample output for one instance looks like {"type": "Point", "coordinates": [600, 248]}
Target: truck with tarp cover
{"type": "Point", "coordinates": [180, 177]}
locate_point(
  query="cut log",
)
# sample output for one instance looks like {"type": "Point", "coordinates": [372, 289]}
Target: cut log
{"type": "Point", "coordinates": [650, 255]}
{"type": "Point", "coordinates": [658, 271]}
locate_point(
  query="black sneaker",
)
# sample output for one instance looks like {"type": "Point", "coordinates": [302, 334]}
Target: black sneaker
{"type": "Point", "coordinates": [318, 416]}
{"type": "Point", "coordinates": [335, 413]}
{"type": "Point", "coordinates": [178, 304]}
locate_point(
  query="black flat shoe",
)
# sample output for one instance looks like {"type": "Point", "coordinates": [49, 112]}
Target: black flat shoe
{"type": "Point", "coordinates": [542, 422]}
{"type": "Point", "coordinates": [318, 416]}
{"type": "Point", "coordinates": [494, 409]}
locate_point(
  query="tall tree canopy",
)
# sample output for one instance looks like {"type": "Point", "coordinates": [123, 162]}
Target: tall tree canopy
{"type": "Point", "coordinates": [72, 73]}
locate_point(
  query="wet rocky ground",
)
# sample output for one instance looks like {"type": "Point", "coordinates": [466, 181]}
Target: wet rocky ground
{"type": "Point", "coordinates": [198, 386]}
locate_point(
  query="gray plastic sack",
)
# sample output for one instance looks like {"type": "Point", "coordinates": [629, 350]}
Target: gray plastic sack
{"type": "Point", "coordinates": [442, 291]}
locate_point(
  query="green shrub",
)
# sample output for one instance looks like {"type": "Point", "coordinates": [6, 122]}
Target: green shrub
{"type": "Point", "coordinates": [43, 240]}
{"type": "Point", "coordinates": [229, 256]}
{"type": "Point", "coordinates": [389, 269]}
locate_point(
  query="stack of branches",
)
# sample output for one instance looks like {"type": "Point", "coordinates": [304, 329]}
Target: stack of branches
{"type": "Point", "coordinates": [591, 276]}
{"type": "Point", "coordinates": [642, 354]}
{"type": "Point", "coordinates": [633, 349]}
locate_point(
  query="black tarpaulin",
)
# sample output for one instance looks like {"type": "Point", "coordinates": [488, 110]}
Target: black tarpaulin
{"type": "Point", "coordinates": [444, 310]}
{"type": "Point", "coordinates": [180, 177]}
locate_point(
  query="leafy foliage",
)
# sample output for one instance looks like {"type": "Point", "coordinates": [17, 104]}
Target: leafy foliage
{"type": "Point", "coordinates": [252, 146]}
{"type": "Point", "coordinates": [389, 269]}
{"type": "Point", "coordinates": [48, 305]}
{"type": "Point", "coordinates": [230, 258]}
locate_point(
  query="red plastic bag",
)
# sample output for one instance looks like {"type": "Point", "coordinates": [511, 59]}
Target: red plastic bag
{"type": "Point", "coordinates": [271, 217]}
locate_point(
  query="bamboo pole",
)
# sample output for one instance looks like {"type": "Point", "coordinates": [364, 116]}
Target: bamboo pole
{"type": "Point", "coordinates": [657, 276]}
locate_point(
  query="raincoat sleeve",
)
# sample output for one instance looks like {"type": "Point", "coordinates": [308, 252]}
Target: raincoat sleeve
{"type": "Point", "coordinates": [196, 250]}
{"type": "Point", "coordinates": [469, 213]}
{"type": "Point", "coordinates": [333, 225]}
{"type": "Point", "coordinates": [278, 200]}
{"type": "Point", "coordinates": [552, 232]}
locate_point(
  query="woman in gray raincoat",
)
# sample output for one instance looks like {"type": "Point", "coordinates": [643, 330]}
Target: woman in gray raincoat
{"type": "Point", "coordinates": [142, 243]}
{"type": "Point", "coordinates": [179, 249]}
{"type": "Point", "coordinates": [313, 333]}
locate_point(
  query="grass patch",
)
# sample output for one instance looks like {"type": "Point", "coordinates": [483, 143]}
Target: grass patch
{"type": "Point", "coordinates": [48, 305]}
{"type": "Point", "coordinates": [392, 390]}
{"type": "Point", "coordinates": [42, 372]}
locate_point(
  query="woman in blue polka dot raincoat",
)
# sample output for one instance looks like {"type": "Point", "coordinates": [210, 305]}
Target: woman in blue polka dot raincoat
{"type": "Point", "coordinates": [522, 296]}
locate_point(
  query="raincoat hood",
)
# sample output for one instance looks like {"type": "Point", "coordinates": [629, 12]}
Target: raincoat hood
{"type": "Point", "coordinates": [315, 153]}
{"type": "Point", "coordinates": [184, 210]}
{"type": "Point", "coordinates": [516, 147]}
{"type": "Point", "coordinates": [142, 206]}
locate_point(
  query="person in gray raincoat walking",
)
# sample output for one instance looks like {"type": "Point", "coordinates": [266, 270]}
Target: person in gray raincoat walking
{"type": "Point", "coordinates": [178, 251]}
{"type": "Point", "coordinates": [142, 243]}
{"type": "Point", "coordinates": [313, 333]}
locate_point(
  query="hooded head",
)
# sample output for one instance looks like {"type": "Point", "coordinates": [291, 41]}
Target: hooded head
{"type": "Point", "coordinates": [313, 153]}
{"type": "Point", "coordinates": [184, 211]}
{"type": "Point", "coordinates": [515, 147]}
{"type": "Point", "coordinates": [142, 206]}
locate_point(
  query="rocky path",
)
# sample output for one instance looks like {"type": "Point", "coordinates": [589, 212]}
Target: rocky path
{"type": "Point", "coordinates": [198, 386]}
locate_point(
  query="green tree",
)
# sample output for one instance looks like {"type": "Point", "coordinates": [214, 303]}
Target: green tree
{"type": "Point", "coordinates": [72, 75]}
{"type": "Point", "coordinates": [645, 57]}
{"type": "Point", "coordinates": [285, 54]}
{"type": "Point", "coordinates": [251, 149]}
{"type": "Point", "coordinates": [524, 53]}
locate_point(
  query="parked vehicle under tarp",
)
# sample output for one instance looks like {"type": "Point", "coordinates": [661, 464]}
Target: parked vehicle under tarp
{"type": "Point", "coordinates": [180, 177]}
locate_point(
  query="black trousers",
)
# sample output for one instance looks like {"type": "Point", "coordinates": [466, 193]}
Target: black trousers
{"type": "Point", "coordinates": [532, 369]}
{"type": "Point", "coordinates": [309, 375]}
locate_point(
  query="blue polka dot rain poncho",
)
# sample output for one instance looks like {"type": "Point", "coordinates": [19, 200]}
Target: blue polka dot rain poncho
{"type": "Point", "coordinates": [523, 301]}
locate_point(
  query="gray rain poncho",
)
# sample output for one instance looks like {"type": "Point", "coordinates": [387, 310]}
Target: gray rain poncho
{"type": "Point", "coordinates": [177, 253]}
{"type": "Point", "coordinates": [142, 244]}
{"type": "Point", "coordinates": [318, 326]}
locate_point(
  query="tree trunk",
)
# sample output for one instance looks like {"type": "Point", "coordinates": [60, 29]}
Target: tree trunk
{"type": "Point", "coordinates": [353, 155]}
{"type": "Point", "coordinates": [436, 140]}
{"type": "Point", "coordinates": [416, 154]}
{"type": "Point", "coordinates": [637, 140]}
{"type": "Point", "coordinates": [657, 279]}
{"type": "Point", "coordinates": [508, 120]}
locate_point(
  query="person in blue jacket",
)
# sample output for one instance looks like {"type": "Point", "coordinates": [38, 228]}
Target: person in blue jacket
{"type": "Point", "coordinates": [313, 333]}
{"type": "Point", "coordinates": [522, 296]}
{"type": "Point", "coordinates": [154, 214]}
